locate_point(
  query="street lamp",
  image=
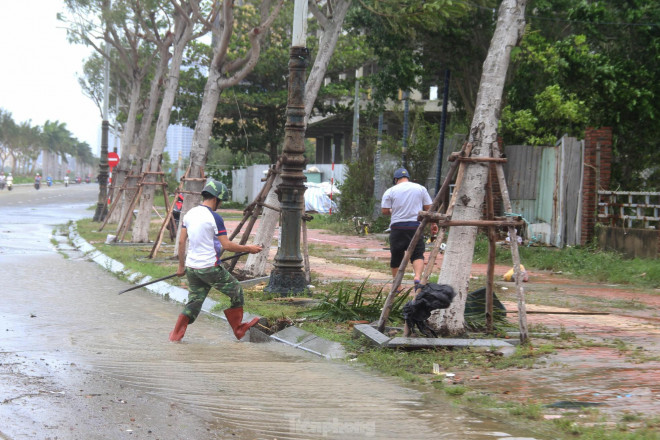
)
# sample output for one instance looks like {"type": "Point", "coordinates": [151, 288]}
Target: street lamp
{"type": "Point", "coordinates": [287, 277]}
{"type": "Point", "coordinates": [102, 204]}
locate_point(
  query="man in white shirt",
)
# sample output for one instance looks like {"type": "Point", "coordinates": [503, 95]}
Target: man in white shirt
{"type": "Point", "coordinates": [205, 231]}
{"type": "Point", "coordinates": [403, 201]}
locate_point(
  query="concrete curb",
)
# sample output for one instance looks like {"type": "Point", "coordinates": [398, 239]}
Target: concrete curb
{"type": "Point", "coordinates": [376, 338]}
{"type": "Point", "coordinates": [310, 342]}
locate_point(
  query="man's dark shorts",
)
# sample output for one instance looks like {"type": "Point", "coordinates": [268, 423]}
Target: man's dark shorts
{"type": "Point", "coordinates": [399, 241]}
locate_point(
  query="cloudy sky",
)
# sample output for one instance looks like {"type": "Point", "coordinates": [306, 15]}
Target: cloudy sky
{"type": "Point", "coordinates": [39, 70]}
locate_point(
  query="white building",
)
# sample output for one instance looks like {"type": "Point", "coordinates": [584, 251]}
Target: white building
{"type": "Point", "coordinates": [179, 140]}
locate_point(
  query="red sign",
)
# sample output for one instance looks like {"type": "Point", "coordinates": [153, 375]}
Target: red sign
{"type": "Point", "coordinates": [113, 160]}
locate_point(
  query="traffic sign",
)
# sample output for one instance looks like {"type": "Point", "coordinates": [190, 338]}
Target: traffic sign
{"type": "Point", "coordinates": [113, 160]}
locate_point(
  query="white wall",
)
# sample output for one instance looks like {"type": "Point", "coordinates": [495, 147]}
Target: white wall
{"type": "Point", "coordinates": [246, 182]}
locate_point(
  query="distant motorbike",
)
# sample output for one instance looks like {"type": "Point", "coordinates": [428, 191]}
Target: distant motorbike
{"type": "Point", "coordinates": [37, 185]}
{"type": "Point", "coordinates": [49, 181]}
{"type": "Point", "coordinates": [2, 184]}
{"type": "Point", "coordinates": [10, 186]}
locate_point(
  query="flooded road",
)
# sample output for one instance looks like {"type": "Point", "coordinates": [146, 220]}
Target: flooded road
{"type": "Point", "coordinates": [78, 361]}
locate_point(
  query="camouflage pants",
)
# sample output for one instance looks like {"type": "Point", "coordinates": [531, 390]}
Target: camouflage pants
{"type": "Point", "coordinates": [200, 282]}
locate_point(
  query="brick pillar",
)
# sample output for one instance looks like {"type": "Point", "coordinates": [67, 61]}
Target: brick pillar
{"type": "Point", "coordinates": [597, 166]}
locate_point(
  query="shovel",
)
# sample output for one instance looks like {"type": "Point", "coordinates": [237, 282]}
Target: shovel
{"type": "Point", "coordinates": [240, 254]}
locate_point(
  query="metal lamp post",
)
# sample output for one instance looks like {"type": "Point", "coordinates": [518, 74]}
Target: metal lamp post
{"type": "Point", "coordinates": [102, 204]}
{"type": "Point", "coordinates": [288, 277]}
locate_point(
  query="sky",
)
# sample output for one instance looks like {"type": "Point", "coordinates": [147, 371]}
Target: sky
{"type": "Point", "coordinates": [39, 70]}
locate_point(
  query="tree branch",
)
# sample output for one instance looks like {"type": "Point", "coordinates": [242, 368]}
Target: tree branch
{"type": "Point", "coordinates": [227, 26]}
{"type": "Point", "coordinates": [247, 63]}
{"type": "Point", "coordinates": [316, 12]}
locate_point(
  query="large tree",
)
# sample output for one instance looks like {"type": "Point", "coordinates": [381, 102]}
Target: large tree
{"type": "Point", "coordinates": [483, 137]}
{"type": "Point", "coordinates": [191, 21]}
{"type": "Point", "coordinates": [226, 69]}
{"type": "Point", "coordinates": [250, 116]}
{"type": "Point", "coordinates": [137, 43]}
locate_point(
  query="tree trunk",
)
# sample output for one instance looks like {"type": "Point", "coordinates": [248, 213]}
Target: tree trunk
{"type": "Point", "coordinates": [129, 150]}
{"type": "Point", "coordinates": [256, 263]}
{"type": "Point", "coordinates": [183, 32]}
{"type": "Point", "coordinates": [216, 82]}
{"type": "Point", "coordinates": [143, 136]}
{"type": "Point", "coordinates": [200, 144]}
{"type": "Point", "coordinates": [331, 28]}
{"type": "Point", "coordinates": [457, 262]}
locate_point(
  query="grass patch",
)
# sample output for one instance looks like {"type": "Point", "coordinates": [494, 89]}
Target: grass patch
{"type": "Point", "coordinates": [586, 262]}
{"type": "Point", "coordinates": [531, 411]}
{"type": "Point", "coordinates": [337, 332]}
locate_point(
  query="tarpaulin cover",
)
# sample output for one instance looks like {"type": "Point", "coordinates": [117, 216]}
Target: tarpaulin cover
{"type": "Point", "coordinates": [317, 197]}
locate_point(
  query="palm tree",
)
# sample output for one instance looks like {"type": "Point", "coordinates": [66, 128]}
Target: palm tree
{"type": "Point", "coordinates": [28, 146]}
{"type": "Point", "coordinates": [56, 141]}
{"type": "Point", "coordinates": [8, 133]}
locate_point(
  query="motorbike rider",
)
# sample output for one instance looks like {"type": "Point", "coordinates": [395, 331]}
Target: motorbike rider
{"type": "Point", "coordinates": [66, 180]}
{"type": "Point", "coordinates": [37, 181]}
{"type": "Point", "coordinates": [49, 181]}
{"type": "Point", "coordinates": [10, 182]}
{"type": "Point", "coordinates": [2, 181]}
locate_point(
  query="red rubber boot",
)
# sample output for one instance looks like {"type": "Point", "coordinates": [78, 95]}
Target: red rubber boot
{"type": "Point", "coordinates": [234, 317]}
{"type": "Point", "coordinates": [179, 328]}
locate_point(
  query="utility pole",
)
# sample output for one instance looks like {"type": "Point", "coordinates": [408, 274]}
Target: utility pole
{"type": "Point", "coordinates": [288, 277]}
{"type": "Point", "coordinates": [443, 126]}
{"type": "Point", "coordinates": [102, 204]}
{"type": "Point", "coordinates": [355, 145]}
{"type": "Point", "coordinates": [406, 111]}
{"type": "Point", "coordinates": [377, 160]}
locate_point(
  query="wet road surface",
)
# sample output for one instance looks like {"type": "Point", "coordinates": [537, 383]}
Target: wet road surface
{"type": "Point", "coordinates": [78, 361]}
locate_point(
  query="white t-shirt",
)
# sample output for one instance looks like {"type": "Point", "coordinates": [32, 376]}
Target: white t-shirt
{"type": "Point", "coordinates": [405, 200]}
{"type": "Point", "coordinates": [204, 226]}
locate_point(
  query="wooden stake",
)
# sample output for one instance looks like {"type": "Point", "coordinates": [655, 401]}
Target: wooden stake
{"type": "Point", "coordinates": [169, 217]}
{"type": "Point", "coordinates": [490, 274]}
{"type": "Point", "coordinates": [522, 316]}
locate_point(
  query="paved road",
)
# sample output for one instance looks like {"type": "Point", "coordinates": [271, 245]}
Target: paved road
{"type": "Point", "coordinates": [78, 361]}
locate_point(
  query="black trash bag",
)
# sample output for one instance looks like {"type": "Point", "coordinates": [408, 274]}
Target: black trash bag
{"type": "Point", "coordinates": [430, 297]}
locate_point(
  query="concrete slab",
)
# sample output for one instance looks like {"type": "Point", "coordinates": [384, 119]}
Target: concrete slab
{"type": "Point", "coordinates": [294, 336]}
{"type": "Point", "coordinates": [325, 348]}
{"type": "Point", "coordinates": [442, 342]}
{"type": "Point", "coordinates": [372, 335]}
{"type": "Point", "coordinates": [309, 342]}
